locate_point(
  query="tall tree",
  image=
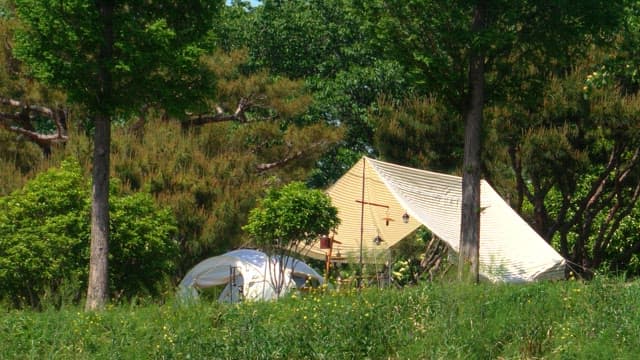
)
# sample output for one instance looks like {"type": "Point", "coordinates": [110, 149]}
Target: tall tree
{"type": "Point", "coordinates": [113, 58]}
{"type": "Point", "coordinates": [512, 45]}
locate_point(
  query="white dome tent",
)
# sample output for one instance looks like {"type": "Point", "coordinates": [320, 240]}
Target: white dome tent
{"type": "Point", "coordinates": [247, 275]}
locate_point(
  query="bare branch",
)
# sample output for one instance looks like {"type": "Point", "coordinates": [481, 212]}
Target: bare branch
{"type": "Point", "coordinates": [238, 115]}
{"type": "Point", "coordinates": [23, 116]}
{"type": "Point", "coordinates": [630, 165]}
{"type": "Point", "coordinates": [8, 117]}
{"type": "Point", "coordinates": [603, 242]}
{"type": "Point", "coordinates": [10, 102]}
{"type": "Point", "coordinates": [40, 138]}
{"type": "Point", "coordinates": [595, 192]}
{"type": "Point", "coordinates": [46, 111]}
{"type": "Point", "coordinates": [287, 159]}
{"type": "Point", "coordinates": [281, 162]}
{"type": "Point", "coordinates": [599, 184]}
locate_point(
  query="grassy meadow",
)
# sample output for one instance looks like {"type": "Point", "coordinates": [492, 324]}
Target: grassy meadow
{"type": "Point", "coordinates": [553, 320]}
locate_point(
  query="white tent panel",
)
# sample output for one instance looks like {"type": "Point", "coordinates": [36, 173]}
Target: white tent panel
{"type": "Point", "coordinates": [510, 250]}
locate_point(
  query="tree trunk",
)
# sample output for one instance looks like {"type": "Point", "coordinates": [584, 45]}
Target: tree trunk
{"type": "Point", "coordinates": [468, 267]}
{"type": "Point", "coordinates": [98, 286]}
{"type": "Point", "coordinates": [97, 292]}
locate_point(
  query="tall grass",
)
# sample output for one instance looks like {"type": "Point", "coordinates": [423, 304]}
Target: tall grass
{"type": "Point", "coordinates": [564, 320]}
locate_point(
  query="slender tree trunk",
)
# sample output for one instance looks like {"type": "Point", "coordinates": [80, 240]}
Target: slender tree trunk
{"type": "Point", "coordinates": [468, 267]}
{"type": "Point", "coordinates": [98, 286]}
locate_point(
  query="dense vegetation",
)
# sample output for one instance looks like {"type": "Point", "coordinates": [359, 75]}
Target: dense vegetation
{"type": "Point", "coordinates": [596, 320]}
{"type": "Point", "coordinates": [44, 237]}
{"type": "Point", "coordinates": [252, 98]}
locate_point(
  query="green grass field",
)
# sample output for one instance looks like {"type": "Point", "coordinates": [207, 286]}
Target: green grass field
{"type": "Point", "coordinates": [561, 320]}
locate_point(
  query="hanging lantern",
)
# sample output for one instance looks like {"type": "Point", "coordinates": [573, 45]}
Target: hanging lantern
{"type": "Point", "coordinates": [325, 242]}
{"type": "Point", "coordinates": [337, 257]}
{"type": "Point", "coordinates": [405, 218]}
{"type": "Point", "coordinates": [377, 240]}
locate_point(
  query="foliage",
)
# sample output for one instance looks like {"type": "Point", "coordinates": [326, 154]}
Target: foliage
{"type": "Point", "coordinates": [287, 221]}
{"type": "Point", "coordinates": [44, 239]}
{"type": "Point", "coordinates": [524, 63]}
{"type": "Point", "coordinates": [19, 157]}
{"type": "Point", "coordinates": [43, 234]}
{"type": "Point", "coordinates": [433, 39]}
{"type": "Point", "coordinates": [14, 81]}
{"type": "Point", "coordinates": [211, 175]}
{"type": "Point", "coordinates": [576, 168]}
{"type": "Point", "coordinates": [385, 78]}
{"type": "Point", "coordinates": [419, 132]}
{"type": "Point", "coordinates": [116, 58]}
{"type": "Point", "coordinates": [420, 36]}
{"type": "Point", "coordinates": [348, 100]}
{"type": "Point", "coordinates": [291, 216]}
{"type": "Point", "coordinates": [305, 38]}
{"type": "Point", "coordinates": [143, 247]}
{"type": "Point", "coordinates": [155, 56]}
{"type": "Point", "coordinates": [322, 42]}
{"type": "Point", "coordinates": [551, 320]}
{"type": "Point", "coordinates": [234, 28]}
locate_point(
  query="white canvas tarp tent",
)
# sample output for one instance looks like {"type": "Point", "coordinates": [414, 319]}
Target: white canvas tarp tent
{"type": "Point", "coordinates": [373, 195]}
{"type": "Point", "coordinates": [247, 274]}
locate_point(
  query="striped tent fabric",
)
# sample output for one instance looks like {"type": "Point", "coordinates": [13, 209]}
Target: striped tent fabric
{"type": "Point", "coordinates": [373, 196]}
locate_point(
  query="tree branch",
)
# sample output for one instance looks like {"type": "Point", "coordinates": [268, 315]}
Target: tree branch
{"type": "Point", "coordinates": [298, 154]}
{"type": "Point", "coordinates": [268, 166]}
{"type": "Point", "coordinates": [613, 224]}
{"type": "Point", "coordinates": [23, 118]}
{"type": "Point", "coordinates": [239, 115]}
{"type": "Point", "coordinates": [597, 187]}
{"type": "Point", "coordinates": [8, 117]}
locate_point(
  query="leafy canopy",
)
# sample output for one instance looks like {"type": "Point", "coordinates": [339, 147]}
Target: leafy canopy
{"type": "Point", "coordinates": [155, 57]}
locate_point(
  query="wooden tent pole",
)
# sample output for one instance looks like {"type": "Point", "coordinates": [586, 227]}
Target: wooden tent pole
{"type": "Point", "coordinates": [361, 223]}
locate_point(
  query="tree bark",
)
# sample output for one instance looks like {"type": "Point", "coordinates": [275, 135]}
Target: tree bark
{"type": "Point", "coordinates": [468, 263]}
{"type": "Point", "coordinates": [97, 290]}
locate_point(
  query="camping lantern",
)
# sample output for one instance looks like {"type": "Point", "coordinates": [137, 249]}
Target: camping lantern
{"type": "Point", "coordinates": [405, 218]}
{"type": "Point", "coordinates": [325, 242]}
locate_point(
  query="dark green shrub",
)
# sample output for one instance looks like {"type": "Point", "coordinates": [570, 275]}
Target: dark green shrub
{"type": "Point", "coordinates": [143, 247]}
{"type": "Point", "coordinates": [45, 231]}
{"type": "Point", "coordinates": [44, 234]}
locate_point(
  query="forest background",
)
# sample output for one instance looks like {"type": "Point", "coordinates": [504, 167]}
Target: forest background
{"type": "Point", "coordinates": [299, 90]}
